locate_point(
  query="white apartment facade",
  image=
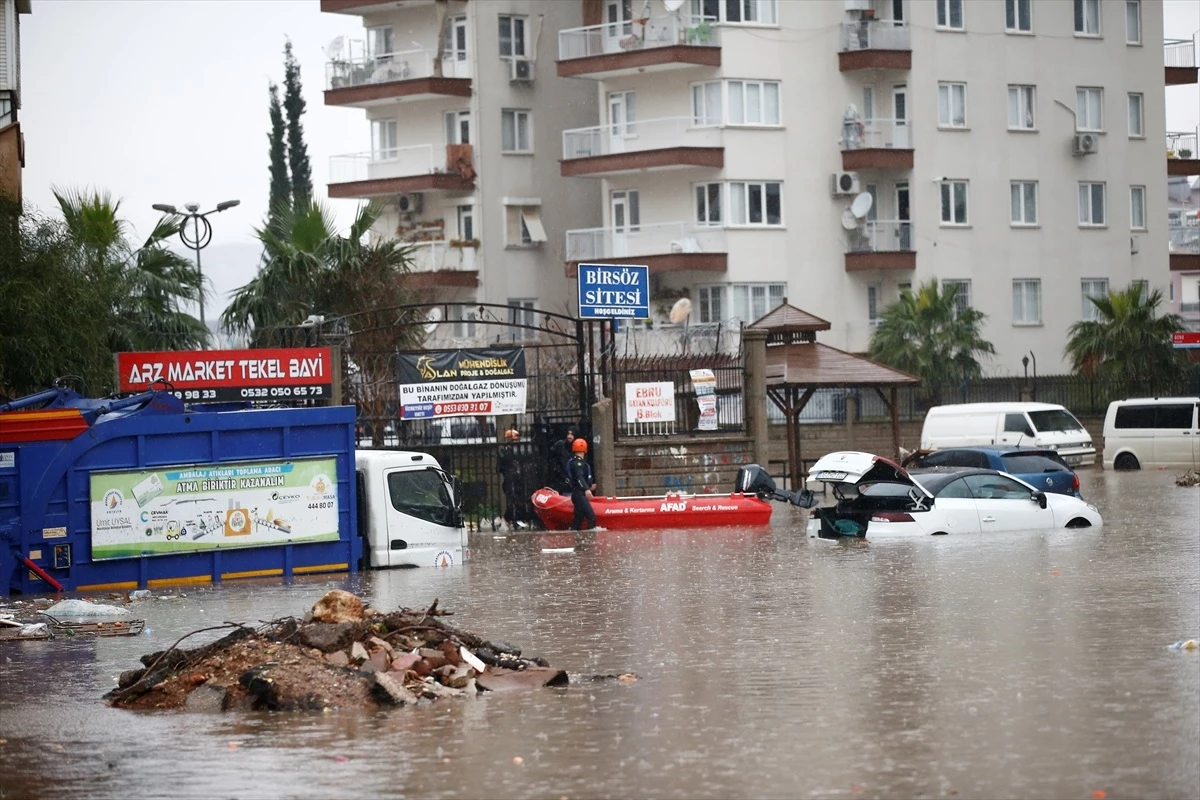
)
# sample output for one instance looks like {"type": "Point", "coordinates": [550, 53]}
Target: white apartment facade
{"type": "Point", "coordinates": [1012, 149]}
{"type": "Point", "coordinates": [12, 144]}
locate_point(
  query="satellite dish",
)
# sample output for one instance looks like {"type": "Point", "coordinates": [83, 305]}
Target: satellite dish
{"type": "Point", "coordinates": [672, 5]}
{"type": "Point", "coordinates": [861, 205]}
{"type": "Point", "coordinates": [849, 221]}
{"type": "Point", "coordinates": [681, 310]}
{"type": "Point", "coordinates": [434, 316]}
{"type": "Point", "coordinates": [335, 47]}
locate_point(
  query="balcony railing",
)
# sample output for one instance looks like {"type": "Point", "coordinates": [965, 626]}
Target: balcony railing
{"type": "Point", "coordinates": [597, 40]}
{"type": "Point", "coordinates": [1189, 308]}
{"type": "Point", "coordinates": [881, 236]}
{"type": "Point", "coordinates": [1179, 53]}
{"type": "Point", "coordinates": [877, 134]}
{"type": "Point", "coordinates": [1183, 239]}
{"type": "Point", "coordinates": [387, 67]}
{"type": "Point", "coordinates": [647, 134]}
{"type": "Point", "coordinates": [393, 163]}
{"type": "Point", "coordinates": [591, 244]}
{"type": "Point", "coordinates": [440, 255]}
{"type": "Point", "coordinates": [875, 35]}
{"type": "Point", "coordinates": [1181, 144]}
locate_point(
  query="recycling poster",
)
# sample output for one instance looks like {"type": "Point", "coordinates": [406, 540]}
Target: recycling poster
{"type": "Point", "coordinates": [198, 508]}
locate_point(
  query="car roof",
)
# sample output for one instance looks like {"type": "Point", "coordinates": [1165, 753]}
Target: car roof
{"type": "Point", "coordinates": [934, 478]}
{"type": "Point", "coordinates": [1000, 451]}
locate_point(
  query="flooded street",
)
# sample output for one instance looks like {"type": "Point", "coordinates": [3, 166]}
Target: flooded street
{"type": "Point", "coordinates": [1005, 665]}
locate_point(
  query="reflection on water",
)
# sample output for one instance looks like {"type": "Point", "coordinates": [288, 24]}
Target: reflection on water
{"type": "Point", "coordinates": [1016, 665]}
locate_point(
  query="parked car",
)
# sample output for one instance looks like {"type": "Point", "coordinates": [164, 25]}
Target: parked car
{"type": "Point", "coordinates": [1041, 425]}
{"type": "Point", "coordinates": [1043, 469]}
{"type": "Point", "coordinates": [877, 497]}
{"type": "Point", "coordinates": [1152, 432]}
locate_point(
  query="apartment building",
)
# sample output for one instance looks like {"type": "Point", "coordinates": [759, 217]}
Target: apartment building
{"type": "Point", "coordinates": [464, 114]}
{"type": "Point", "coordinates": [835, 152]}
{"type": "Point", "coordinates": [12, 144]}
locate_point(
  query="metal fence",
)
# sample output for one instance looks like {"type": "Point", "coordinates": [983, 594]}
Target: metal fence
{"type": "Point", "coordinates": [676, 370]}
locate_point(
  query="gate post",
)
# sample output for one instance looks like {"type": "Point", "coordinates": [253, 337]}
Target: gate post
{"type": "Point", "coordinates": [754, 389]}
{"type": "Point", "coordinates": [604, 460]}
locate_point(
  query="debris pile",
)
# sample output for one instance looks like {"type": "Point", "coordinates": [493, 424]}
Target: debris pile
{"type": "Point", "coordinates": [341, 655]}
{"type": "Point", "coordinates": [1189, 478]}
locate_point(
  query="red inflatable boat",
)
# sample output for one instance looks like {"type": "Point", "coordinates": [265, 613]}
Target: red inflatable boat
{"type": "Point", "coordinates": [662, 511]}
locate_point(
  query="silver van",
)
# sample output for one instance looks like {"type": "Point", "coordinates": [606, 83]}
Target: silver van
{"type": "Point", "coordinates": [1152, 432]}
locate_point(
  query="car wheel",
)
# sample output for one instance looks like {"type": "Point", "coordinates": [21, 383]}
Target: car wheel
{"type": "Point", "coordinates": [1079, 522]}
{"type": "Point", "coordinates": [1126, 461]}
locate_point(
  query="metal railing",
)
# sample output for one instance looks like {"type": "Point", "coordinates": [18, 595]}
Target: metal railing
{"type": "Point", "coordinates": [878, 34]}
{"type": "Point", "coordinates": [658, 31]}
{"type": "Point", "coordinates": [638, 135]}
{"type": "Point", "coordinates": [588, 244]}
{"type": "Point", "coordinates": [877, 134]}
{"type": "Point", "coordinates": [392, 163]}
{"type": "Point", "coordinates": [440, 255]}
{"type": "Point", "coordinates": [881, 236]}
{"type": "Point", "coordinates": [1181, 144]}
{"type": "Point", "coordinates": [1183, 238]}
{"type": "Point", "coordinates": [730, 377]}
{"type": "Point", "coordinates": [1179, 53]}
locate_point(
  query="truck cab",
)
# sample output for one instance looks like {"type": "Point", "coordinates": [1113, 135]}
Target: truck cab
{"type": "Point", "coordinates": [409, 511]}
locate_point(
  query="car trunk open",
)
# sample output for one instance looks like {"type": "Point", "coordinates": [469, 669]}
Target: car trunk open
{"type": "Point", "coordinates": [864, 486]}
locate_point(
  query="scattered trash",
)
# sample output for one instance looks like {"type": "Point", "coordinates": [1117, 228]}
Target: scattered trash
{"type": "Point", "coordinates": [558, 549]}
{"type": "Point", "coordinates": [1189, 478]}
{"type": "Point", "coordinates": [1184, 644]}
{"type": "Point", "coordinates": [518, 760]}
{"type": "Point", "coordinates": [82, 608]}
{"type": "Point", "coordinates": [139, 594]}
{"type": "Point", "coordinates": [1099, 794]}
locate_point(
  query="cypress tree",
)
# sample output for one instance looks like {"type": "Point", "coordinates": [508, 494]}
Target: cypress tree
{"type": "Point", "coordinates": [293, 104]}
{"type": "Point", "coordinates": [281, 182]}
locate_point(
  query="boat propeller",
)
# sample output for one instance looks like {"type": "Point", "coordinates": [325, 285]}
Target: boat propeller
{"type": "Point", "coordinates": [753, 479]}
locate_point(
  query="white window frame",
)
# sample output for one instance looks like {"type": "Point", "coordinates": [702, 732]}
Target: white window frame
{"type": "Point", "coordinates": [962, 296]}
{"type": "Point", "coordinates": [765, 12]}
{"type": "Point", "coordinates": [1084, 110]}
{"type": "Point", "coordinates": [1092, 287]}
{"type": "Point", "coordinates": [744, 107]}
{"type": "Point", "coordinates": [511, 118]}
{"type": "Point", "coordinates": [740, 301]}
{"type": "Point", "coordinates": [464, 321]}
{"type": "Point", "coordinates": [510, 42]}
{"type": "Point", "coordinates": [1133, 36]}
{"type": "Point", "coordinates": [708, 201]}
{"type": "Point", "coordinates": [1022, 212]}
{"type": "Point", "coordinates": [466, 221]}
{"type": "Point", "coordinates": [1137, 122]}
{"type": "Point", "coordinates": [949, 206]}
{"type": "Point", "coordinates": [1022, 98]}
{"type": "Point", "coordinates": [712, 299]}
{"type": "Point", "coordinates": [1012, 11]}
{"type": "Point", "coordinates": [450, 48]}
{"type": "Point", "coordinates": [1023, 288]}
{"type": "Point", "coordinates": [374, 34]}
{"type": "Point", "coordinates": [703, 96]}
{"type": "Point", "coordinates": [1081, 18]}
{"type": "Point", "coordinates": [945, 15]}
{"type": "Point", "coordinates": [454, 123]}
{"type": "Point", "coordinates": [740, 207]}
{"type": "Point", "coordinates": [874, 306]}
{"type": "Point", "coordinates": [1087, 205]}
{"type": "Point", "coordinates": [522, 311]}
{"type": "Point", "coordinates": [1137, 208]}
{"type": "Point", "coordinates": [948, 93]}
{"type": "Point", "coordinates": [523, 227]}
{"type": "Point", "coordinates": [385, 138]}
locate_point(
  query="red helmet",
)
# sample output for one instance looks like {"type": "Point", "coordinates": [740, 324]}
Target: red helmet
{"type": "Point", "coordinates": [579, 446]}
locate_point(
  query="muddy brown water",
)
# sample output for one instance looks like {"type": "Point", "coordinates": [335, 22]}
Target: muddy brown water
{"type": "Point", "coordinates": [1008, 665]}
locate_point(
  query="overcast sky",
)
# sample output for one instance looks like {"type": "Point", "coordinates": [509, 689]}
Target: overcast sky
{"type": "Point", "coordinates": [166, 102]}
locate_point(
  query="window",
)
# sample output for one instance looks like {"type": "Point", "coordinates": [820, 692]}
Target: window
{"type": "Point", "coordinates": [1089, 108]}
{"type": "Point", "coordinates": [950, 14]}
{"type": "Point", "coordinates": [1021, 108]}
{"type": "Point", "coordinates": [740, 301]}
{"type": "Point", "coordinates": [523, 226]}
{"type": "Point", "coordinates": [1016, 423]}
{"type": "Point", "coordinates": [520, 312]}
{"type": "Point", "coordinates": [1092, 288]}
{"type": "Point", "coordinates": [458, 127]}
{"type": "Point", "coordinates": [515, 134]}
{"type": "Point", "coordinates": [466, 223]}
{"type": "Point", "coordinates": [753, 102]}
{"type": "Point", "coordinates": [706, 103]}
{"type": "Point", "coordinates": [1174, 416]}
{"type": "Point", "coordinates": [873, 212]}
{"type": "Point", "coordinates": [755, 204]}
{"type": "Point", "coordinates": [962, 294]}
{"type": "Point", "coordinates": [512, 36]}
{"type": "Point", "coordinates": [1133, 22]}
{"type": "Point", "coordinates": [1018, 16]}
{"type": "Point", "coordinates": [618, 15]}
{"type": "Point", "coordinates": [464, 321]}
{"type": "Point", "coordinates": [868, 106]}
{"type": "Point", "coordinates": [872, 304]}
{"type": "Point", "coordinates": [1087, 17]}
{"type": "Point", "coordinates": [422, 494]}
{"type": "Point", "coordinates": [1137, 208]}
{"type": "Point", "coordinates": [954, 202]}
{"type": "Point", "coordinates": [1023, 203]}
{"type": "Point", "coordinates": [1091, 204]}
{"type": "Point", "coordinates": [626, 211]}
{"type": "Point", "coordinates": [379, 41]}
{"type": "Point", "coordinates": [762, 12]}
{"type": "Point", "coordinates": [383, 140]}
{"type": "Point", "coordinates": [622, 113]}
{"type": "Point", "coordinates": [708, 204]}
{"type": "Point", "coordinates": [1027, 301]}
{"type": "Point", "coordinates": [952, 105]}
{"type": "Point", "coordinates": [454, 48]}
{"type": "Point", "coordinates": [712, 304]}
{"type": "Point", "coordinates": [1136, 125]}
{"type": "Point", "coordinates": [1143, 285]}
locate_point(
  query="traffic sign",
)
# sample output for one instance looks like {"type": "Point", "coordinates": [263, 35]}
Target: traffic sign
{"type": "Point", "coordinates": [614, 291]}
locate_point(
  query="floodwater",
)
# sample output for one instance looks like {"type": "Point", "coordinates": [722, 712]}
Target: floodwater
{"type": "Point", "coordinates": [1006, 665]}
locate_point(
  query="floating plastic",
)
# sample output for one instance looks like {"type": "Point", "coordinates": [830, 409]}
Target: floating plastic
{"type": "Point", "coordinates": [139, 594]}
{"type": "Point", "coordinates": [82, 608]}
{"type": "Point", "coordinates": [1185, 644]}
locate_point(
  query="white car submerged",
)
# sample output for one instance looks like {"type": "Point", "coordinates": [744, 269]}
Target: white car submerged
{"type": "Point", "coordinates": [877, 497]}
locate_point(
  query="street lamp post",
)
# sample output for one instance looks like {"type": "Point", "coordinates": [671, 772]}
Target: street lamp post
{"type": "Point", "coordinates": [198, 238]}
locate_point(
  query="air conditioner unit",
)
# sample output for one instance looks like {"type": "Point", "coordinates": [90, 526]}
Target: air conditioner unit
{"type": "Point", "coordinates": [409, 203]}
{"type": "Point", "coordinates": [520, 70]}
{"type": "Point", "coordinates": [1086, 144]}
{"type": "Point", "coordinates": [857, 5]}
{"type": "Point", "coordinates": [844, 183]}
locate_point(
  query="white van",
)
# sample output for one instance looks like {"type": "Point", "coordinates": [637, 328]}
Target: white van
{"type": "Point", "coordinates": [1009, 424]}
{"type": "Point", "coordinates": [1152, 432]}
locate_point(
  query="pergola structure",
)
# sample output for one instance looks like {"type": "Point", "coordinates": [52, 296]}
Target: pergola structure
{"type": "Point", "coordinates": [797, 365]}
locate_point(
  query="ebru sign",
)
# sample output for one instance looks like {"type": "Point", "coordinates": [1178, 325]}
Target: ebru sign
{"type": "Point", "coordinates": [614, 291]}
{"type": "Point", "coordinates": [459, 383]}
{"type": "Point", "coordinates": [267, 374]}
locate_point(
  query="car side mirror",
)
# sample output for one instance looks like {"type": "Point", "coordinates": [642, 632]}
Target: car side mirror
{"type": "Point", "coordinates": [1040, 499]}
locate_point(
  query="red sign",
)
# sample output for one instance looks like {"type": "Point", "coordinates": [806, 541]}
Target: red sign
{"type": "Point", "coordinates": [268, 374]}
{"type": "Point", "coordinates": [1184, 339]}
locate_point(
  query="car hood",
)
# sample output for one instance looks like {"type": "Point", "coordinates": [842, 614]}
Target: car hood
{"type": "Point", "coordinates": [853, 467]}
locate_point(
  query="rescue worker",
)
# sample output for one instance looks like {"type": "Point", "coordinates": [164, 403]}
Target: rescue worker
{"type": "Point", "coordinates": [560, 455]}
{"type": "Point", "coordinates": [513, 481]}
{"type": "Point", "coordinates": [581, 487]}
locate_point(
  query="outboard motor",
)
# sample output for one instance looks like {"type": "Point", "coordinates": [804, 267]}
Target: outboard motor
{"type": "Point", "coordinates": [753, 479]}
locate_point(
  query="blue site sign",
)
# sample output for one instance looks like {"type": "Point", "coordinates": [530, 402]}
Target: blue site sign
{"type": "Point", "coordinates": [614, 291]}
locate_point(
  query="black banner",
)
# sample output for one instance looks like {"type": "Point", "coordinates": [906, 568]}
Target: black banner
{"type": "Point", "coordinates": [440, 366]}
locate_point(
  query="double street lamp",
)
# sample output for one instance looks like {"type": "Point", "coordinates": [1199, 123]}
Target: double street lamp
{"type": "Point", "coordinates": [199, 237]}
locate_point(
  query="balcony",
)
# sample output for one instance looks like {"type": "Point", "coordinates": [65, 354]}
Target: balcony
{"type": "Point", "coordinates": [662, 43]}
{"type": "Point", "coordinates": [641, 146]}
{"type": "Point", "coordinates": [1181, 153]}
{"type": "Point", "coordinates": [877, 144]}
{"type": "Point", "coordinates": [442, 265]}
{"type": "Point", "coordinates": [664, 247]}
{"type": "Point", "coordinates": [360, 7]}
{"type": "Point", "coordinates": [881, 244]}
{"type": "Point", "coordinates": [875, 44]}
{"type": "Point", "coordinates": [1179, 57]}
{"type": "Point", "coordinates": [393, 77]}
{"type": "Point", "coordinates": [1183, 243]}
{"type": "Point", "coordinates": [404, 169]}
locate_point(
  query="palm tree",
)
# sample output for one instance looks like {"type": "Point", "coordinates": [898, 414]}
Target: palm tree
{"type": "Point", "coordinates": [1130, 343]}
{"type": "Point", "coordinates": [924, 334]}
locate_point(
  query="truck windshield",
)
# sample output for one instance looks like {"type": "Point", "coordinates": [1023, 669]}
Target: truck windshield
{"type": "Point", "coordinates": [421, 494]}
{"type": "Point", "coordinates": [1054, 420]}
